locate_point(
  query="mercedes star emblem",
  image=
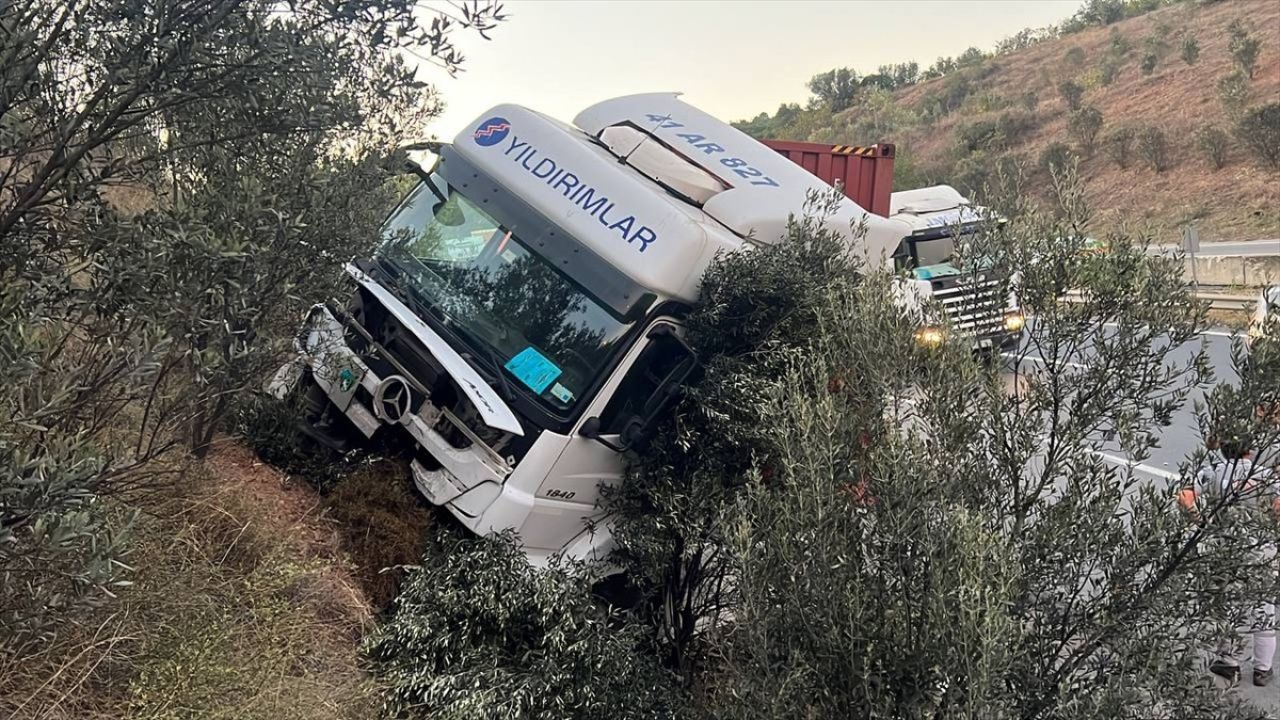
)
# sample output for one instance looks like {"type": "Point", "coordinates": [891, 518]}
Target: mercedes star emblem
{"type": "Point", "coordinates": [392, 399]}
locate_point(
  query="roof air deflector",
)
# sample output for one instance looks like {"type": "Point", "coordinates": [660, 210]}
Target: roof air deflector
{"type": "Point", "coordinates": [660, 163]}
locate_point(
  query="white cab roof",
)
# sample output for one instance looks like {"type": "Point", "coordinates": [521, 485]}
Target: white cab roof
{"type": "Point", "coordinates": [931, 208]}
{"type": "Point", "coordinates": [658, 236]}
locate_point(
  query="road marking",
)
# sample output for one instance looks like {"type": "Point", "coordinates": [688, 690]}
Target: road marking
{"type": "Point", "coordinates": [1148, 469]}
{"type": "Point", "coordinates": [1014, 356]}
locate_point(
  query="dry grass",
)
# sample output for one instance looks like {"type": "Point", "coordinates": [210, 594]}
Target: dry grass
{"type": "Point", "coordinates": [1232, 319]}
{"type": "Point", "coordinates": [1239, 202]}
{"type": "Point", "coordinates": [383, 522]}
{"type": "Point", "coordinates": [244, 606]}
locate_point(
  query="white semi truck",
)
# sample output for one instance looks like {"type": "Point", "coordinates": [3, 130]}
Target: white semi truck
{"type": "Point", "coordinates": [520, 323]}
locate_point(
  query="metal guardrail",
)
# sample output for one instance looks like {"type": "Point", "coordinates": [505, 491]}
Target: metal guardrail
{"type": "Point", "coordinates": [1216, 300]}
{"type": "Point", "coordinates": [1224, 301]}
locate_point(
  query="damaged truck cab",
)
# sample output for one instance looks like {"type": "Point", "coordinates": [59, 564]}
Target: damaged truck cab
{"type": "Point", "coordinates": [520, 322]}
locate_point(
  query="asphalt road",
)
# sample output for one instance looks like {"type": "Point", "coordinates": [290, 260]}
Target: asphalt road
{"type": "Point", "coordinates": [1182, 437]}
{"type": "Point", "coordinates": [1176, 443]}
{"type": "Point", "coordinates": [1208, 249]}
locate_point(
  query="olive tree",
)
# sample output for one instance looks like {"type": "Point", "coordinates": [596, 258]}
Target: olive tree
{"type": "Point", "coordinates": [1084, 125]}
{"type": "Point", "coordinates": [161, 166]}
{"type": "Point", "coordinates": [1259, 129]}
{"type": "Point", "coordinates": [478, 633]}
{"type": "Point", "coordinates": [1243, 48]}
{"type": "Point", "coordinates": [839, 521]}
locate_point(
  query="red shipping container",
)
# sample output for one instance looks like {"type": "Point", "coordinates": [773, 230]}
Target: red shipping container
{"type": "Point", "coordinates": [864, 174]}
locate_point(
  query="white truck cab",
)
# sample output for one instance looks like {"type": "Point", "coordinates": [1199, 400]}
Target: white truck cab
{"type": "Point", "coordinates": [520, 324]}
{"type": "Point", "coordinates": [979, 303]}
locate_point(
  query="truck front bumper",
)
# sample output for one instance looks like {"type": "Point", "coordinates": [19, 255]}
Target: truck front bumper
{"type": "Point", "coordinates": [373, 403]}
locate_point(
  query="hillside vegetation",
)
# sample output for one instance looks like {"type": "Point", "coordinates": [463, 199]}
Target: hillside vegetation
{"type": "Point", "coordinates": [1167, 125]}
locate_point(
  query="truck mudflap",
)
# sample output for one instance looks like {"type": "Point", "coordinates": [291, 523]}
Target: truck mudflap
{"type": "Point", "coordinates": [341, 375]}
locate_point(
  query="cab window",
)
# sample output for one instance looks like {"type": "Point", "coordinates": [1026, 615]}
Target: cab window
{"type": "Point", "coordinates": [660, 366]}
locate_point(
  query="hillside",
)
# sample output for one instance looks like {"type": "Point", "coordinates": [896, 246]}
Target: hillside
{"type": "Point", "coordinates": [957, 128]}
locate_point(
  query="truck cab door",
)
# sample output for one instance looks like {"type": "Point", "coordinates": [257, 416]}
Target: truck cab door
{"type": "Point", "coordinates": [640, 388]}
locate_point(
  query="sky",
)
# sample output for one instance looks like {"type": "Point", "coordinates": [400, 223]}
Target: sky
{"type": "Point", "coordinates": [732, 59]}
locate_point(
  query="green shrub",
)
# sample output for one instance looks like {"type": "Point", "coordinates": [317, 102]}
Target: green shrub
{"type": "Point", "coordinates": [1118, 145]}
{"type": "Point", "coordinates": [1090, 79]}
{"type": "Point", "coordinates": [1153, 148]}
{"type": "Point", "coordinates": [1056, 158]}
{"type": "Point", "coordinates": [976, 136]}
{"type": "Point", "coordinates": [479, 634]}
{"type": "Point", "coordinates": [1084, 125]}
{"type": "Point", "coordinates": [1190, 50]}
{"type": "Point", "coordinates": [955, 90]}
{"type": "Point", "coordinates": [1029, 100]}
{"type": "Point", "coordinates": [1072, 93]}
{"type": "Point", "coordinates": [1014, 125]}
{"type": "Point", "coordinates": [1118, 45]}
{"type": "Point", "coordinates": [1160, 32]}
{"type": "Point", "coordinates": [1259, 128]}
{"type": "Point", "coordinates": [1108, 70]}
{"type": "Point", "coordinates": [271, 428]}
{"type": "Point", "coordinates": [986, 102]}
{"type": "Point", "coordinates": [1243, 48]}
{"type": "Point", "coordinates": [1074, 56]}
{"type": "Point", "coordinates": [1233, 91]}
{"type": "Point", "coordinates": [1149, 61]}
{"type": "Point", "coordinates": [971, 173]}
{"type": "Point", "coordinates": [994, 134]}
{"type": "Point", "coordinates": [1212, 141]}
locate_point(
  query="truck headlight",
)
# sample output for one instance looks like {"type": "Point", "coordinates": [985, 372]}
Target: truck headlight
{"type": "Point", "coordinates": [930, 336]}
{"type": "Point", "coordinates": [1014, 321]}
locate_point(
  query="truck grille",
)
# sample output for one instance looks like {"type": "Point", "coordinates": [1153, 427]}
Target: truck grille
{"type": "Point", "coordinates": [975, 306]}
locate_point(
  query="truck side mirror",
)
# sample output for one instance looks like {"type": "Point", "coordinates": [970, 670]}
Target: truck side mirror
{"type": "Point", "coordinates": [590, 429]}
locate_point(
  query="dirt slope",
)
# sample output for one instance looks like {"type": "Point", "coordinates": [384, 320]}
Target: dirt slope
{"type": "Point", "coordinates": [1239, 202]}
{"type": "Point", "coordinates": [247, 604]}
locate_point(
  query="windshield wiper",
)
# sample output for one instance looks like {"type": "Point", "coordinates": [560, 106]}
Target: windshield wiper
{"type": "Point", "coordinates": [406, 293]}
{"type": "Point", "coordinates": [507, 393]}
{"type": "Point", "coordinates": [426, 180]}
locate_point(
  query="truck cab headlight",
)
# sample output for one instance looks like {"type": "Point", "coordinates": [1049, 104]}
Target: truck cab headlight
{"type": "Point", "coordinates": [1014, 321]}
{"type": "Point", "coordinates": [930, 336]}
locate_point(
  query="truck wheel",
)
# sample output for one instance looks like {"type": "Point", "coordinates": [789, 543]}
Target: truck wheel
{"type": "Point", "coordinates": [283, 432]}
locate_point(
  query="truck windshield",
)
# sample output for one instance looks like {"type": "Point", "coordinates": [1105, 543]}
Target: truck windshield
{"type": "Point", "coordinates": [546, 333]}
{"type": "Point", "coordinates": [933, 252]}
{"type": "Point", "coordinates": [939, 257]}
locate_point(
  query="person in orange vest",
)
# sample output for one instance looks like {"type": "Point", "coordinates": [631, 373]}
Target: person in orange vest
{"type": "Point", "coordinates": [1235, 472]}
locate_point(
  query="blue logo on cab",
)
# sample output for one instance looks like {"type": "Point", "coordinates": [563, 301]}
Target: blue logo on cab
{"type": "Point", "coordinates": [492, 131]}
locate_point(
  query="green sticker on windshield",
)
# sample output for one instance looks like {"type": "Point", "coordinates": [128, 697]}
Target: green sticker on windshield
{"type": "Point", "coordinates": [533, 369]}
{"type": "Point", "coordinates": [561, 393]}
